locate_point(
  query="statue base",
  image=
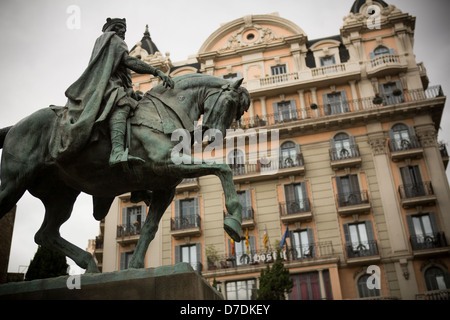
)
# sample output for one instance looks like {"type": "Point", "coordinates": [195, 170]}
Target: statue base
{"type": "Point", "coordinates": [177, 282]}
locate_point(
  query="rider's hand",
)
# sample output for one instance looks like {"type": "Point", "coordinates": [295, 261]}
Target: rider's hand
{"type": "Point", "coordinates": [167, 81]}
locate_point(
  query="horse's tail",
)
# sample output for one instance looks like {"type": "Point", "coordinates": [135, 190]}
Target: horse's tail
{"type": "Point", "coordinates": [3, 133]}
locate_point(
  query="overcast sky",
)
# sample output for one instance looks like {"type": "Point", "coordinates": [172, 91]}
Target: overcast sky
{"type": "Point", "coordinates": [41, 56]}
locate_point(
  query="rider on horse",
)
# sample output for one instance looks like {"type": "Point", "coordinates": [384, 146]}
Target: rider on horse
{"type": "Point", "coordinates": [104, 92]}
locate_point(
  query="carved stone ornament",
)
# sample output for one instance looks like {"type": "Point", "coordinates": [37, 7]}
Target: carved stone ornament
{"type": "Point", "coordinates": [364, 13]}
{"type": "Point", "coordinates": [250, 35]}
{"type": "Point", "coordinates": [378, 144]}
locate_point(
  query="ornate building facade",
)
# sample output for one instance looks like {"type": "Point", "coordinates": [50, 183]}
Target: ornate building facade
{"type": "Point", "coordinates": [359, 198]}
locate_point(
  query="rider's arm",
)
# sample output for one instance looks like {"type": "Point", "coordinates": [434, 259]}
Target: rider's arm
{"type": "Point", "coordinates": [139, 66]}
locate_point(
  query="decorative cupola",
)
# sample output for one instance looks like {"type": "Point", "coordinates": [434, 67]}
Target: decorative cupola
{"type": "Point", "coordinates": [147, 51]}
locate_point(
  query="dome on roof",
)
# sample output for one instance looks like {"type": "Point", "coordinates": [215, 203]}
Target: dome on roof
{"type": "Point", "coordinates": [147, 43]}
{"type": "Point", "coordinates": [356, 7]}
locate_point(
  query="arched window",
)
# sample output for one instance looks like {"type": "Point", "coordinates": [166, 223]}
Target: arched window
{"type": "Point", "coordinates": [437, 279]}
{"type": "Point", "coordinates": [289, 154]}
{"type": "Point", "coordinates": [342, 146]}
{"type": "Point", "coordinates": [381, 50]}
{"type": "Point", "coordinates": [401, 137]}
{"type": "Point", "coordinates": [363, 288]}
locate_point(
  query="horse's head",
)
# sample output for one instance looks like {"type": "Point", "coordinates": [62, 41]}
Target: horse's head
{"type": "Point", "coordinates": [222, 107]}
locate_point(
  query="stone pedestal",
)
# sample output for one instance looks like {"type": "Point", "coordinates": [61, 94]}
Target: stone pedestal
{"type": "Point", "coordinates": [178, 282]}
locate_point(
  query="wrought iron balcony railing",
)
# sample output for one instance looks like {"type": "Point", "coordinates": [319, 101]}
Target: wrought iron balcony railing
{"type": "Point", "coordinates": [405, 144]}
{"type": "Point", "coordinates": [260, 257]}
{"type": "Point", "coordinates": [428, 241]}
{"type": "Point", "coordinates": [352, 198]}
{"type": "Point", "coordinates": [185, 222]}
{"type": "Point", "coordinates": [361, 249]}
{"type": "Point", "coordinates": [349, 152]}
{"type": "Point", "coordinates": [292, 207]}
{"type": "Point", "coordinates": [346, 106]}
{"type": "Point", "coordinates": [129, 229]}
{"type": "Point", "coordinates": [408, 191]}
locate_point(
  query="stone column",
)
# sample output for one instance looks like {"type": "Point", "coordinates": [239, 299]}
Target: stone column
{"type": "Point", "coordinates": [302, 103]}
{"type": "Point", "coordinates": [354, 94]}
{"type": "Point", "coordinates": [391, 207]}
{"type": "Point", "coordinates": [263, 108]}
{"type": "Point", "coordinates": [436, 171]}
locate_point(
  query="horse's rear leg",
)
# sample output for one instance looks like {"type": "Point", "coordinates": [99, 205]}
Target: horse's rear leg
{"type": "Point", "coordinates": [162, 199]}
{"type": "Point", "coordinates": [13, 186]}
{"type": "Point", "coordinates": [58, 208]}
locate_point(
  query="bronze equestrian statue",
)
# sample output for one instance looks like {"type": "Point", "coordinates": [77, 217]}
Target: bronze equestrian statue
{"type": "Point", "coordinates": [58, 152]}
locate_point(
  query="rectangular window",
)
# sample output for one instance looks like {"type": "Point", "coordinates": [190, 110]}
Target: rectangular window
{"type": "Point", "coordinates": [241, 290]}
{"type": "Point", "coordinates": [307, 286]}
{"type": "Point", "coordinates": [280, 69]}
{"type": "Point", "coordinates": [424, 231]}
{"type": "Point", "coordinates": [391, 92]}
{"type": "Point", "coordinates": [187, 214]}
{"type": "Point", "coordinates": [348, 190]}
{"type": "Point", "coordinates": [303, 244]}
{"type": "Point", "coordinates": [296, 198]}
{"type": "Point", "coordinates": [327, 61]}
{"type": "Point", "coordinates": [190, 254]}
{"type": "Point", "coordinates": [412, 182]}
{"type": "Point", "coordinates": [132, 220]}
{"type": "Point", "coordinates": [335, 103]}
{"type": "Point", "coordinates": [285, 111]}
{"type": "Point", "coordinates": [125, 258]}
{"type": "Point", "coordinates": [360, 239]}
{"type": "Point", "coordinates": [245, 198]}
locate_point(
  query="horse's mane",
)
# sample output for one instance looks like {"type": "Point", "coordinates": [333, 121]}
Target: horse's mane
{"type": "Point", "coordinates": [194, 80]}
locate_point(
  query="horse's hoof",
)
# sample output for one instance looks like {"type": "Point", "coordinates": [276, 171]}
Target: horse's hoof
{"type": "Point", "coordinates": [233, 228]}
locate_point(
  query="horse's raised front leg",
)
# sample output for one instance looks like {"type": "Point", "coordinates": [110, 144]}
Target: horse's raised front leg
{"type": "Point", "coordinates": [232, 223]}
{"type": "Point", "coordinates": [161, 200]}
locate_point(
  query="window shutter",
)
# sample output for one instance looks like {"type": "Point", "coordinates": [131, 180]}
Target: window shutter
{"type": "Point", "coordinates": [311, 243]}
{"type": "Point", "coordinates": [412, 232]}
{"type": "Point", "coordinates": [344, 101]}
{"type": "Point", "coordinates": [275, 112]}
{"type": "Point", "coordinates": [248, 205]}
{"type": "Point", "coordinates": [293, 109]}
{"type": "Point", "coordinates": [197, 206]}
{"type": "Point", "coordinates": [369, 229]}
{"type": "Point", "coordinates": [198, 249]}
{"type": "Point", "coordinates": [434, 222]}
{"type": "Point", "coordinates": [177, 254]}
{"type": "Point", "coordinates": [252, 243]}
{"type": "Point", "coordinates": [326, 104]}
{"type": "Point", "coordinates": [306, 205]}
{"type": "Point", "coordinates": [348, 240]}
{"type": "Point", "coordinates": [289, 193]}
{"type": "Point", "coordinates": [412, 133]}
{"type": "Point", "coordinates": [341, 196]}
{"type": "Point", "coordinates": [392, 51]}
{"type": "Point", "coordinates": [372, 55]}
{"type": "Point", "coordinates": [143, 214]}
{"type": "Point", "coordinates": [124, 216]}
{"type": "Point", "coordinates": [177, 209]}
{"type": "Point", "coordinates": [123, 261]}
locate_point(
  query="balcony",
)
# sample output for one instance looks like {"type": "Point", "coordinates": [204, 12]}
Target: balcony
{"type": "Point", "coordinates": [429, 244]}
{"type": "Point", "coordinates": [434, 295]}
{"type": "Point", "coordinates": [405, 149]}
{"type": "Point", "coordinates": [128, 233]}
{"type": "Point", "coordinates": [341, 158]}
{"type": "Point", "coordinates": [385, 65]}
{"type": "Point", "coordinates": [362, 252]}
{"type": "Point", "coordinates": [188, 226]}
{"type": "Point", "coordinates": [344, 71]}
{"type": "Point", "coordinates": [444, 154]}
{"type": "Point", "coordinates": [351, 203]}
{"type": "Point", "coordinates": [310, 254]}
{"type": "Point", "coordinates": [303, 118]}
{"type": "Point", "coordinates": [258, 171]}
{"type": "Point", "coordinates": [294, 211]}
{"type": "Point", "coordinates": [420, 194]}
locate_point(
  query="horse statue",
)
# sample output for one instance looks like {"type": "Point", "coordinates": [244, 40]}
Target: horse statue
{"type": "Point", "coordinates": [26, 163]}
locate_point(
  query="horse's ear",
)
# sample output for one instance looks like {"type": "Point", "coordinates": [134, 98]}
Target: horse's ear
{"type": "Point", "coordinates": [237, 83]}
